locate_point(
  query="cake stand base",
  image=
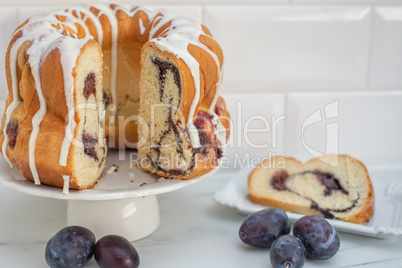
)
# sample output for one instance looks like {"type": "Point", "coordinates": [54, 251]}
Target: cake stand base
{"type": "Point", "coordinates": [123, 202]}
{"type": "Point", "coordinates": [132, 218]}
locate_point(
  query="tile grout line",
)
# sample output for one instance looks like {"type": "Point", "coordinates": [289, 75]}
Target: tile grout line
{"type": "Point", "coordinates": [369, 56]}
{"type": "Point", "coordinates": [202, 14]}
{"type": "Point", "coordinates": [285, 127]}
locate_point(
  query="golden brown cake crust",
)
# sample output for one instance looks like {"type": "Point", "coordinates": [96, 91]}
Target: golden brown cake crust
{"type": "Point", "coordinates": [362, 216]}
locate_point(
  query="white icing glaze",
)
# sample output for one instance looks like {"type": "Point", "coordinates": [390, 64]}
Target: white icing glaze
{"type": "Point", "coordinates": [35, 52]}
{"type": "Point", "coordinates": [66, 184]}
{"type": "Point", "coordinates": [194, 136]}
{"type": "Point", "coordinates": [16, 100]}
{"type": "Point", "coordinates": [142, 28]}
{"type": "Point", "coordinates": [88, 14]}
{"type": "Point", "coordinates": [70, 51]}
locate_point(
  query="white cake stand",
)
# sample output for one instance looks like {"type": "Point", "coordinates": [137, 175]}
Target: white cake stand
{"type": "Point", "coordinates": [123, 202]}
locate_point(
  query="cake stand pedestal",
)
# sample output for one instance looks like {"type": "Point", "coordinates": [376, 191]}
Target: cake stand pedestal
{"type": "Point", "coordinates": [123, 202]}
{"type": "Point", "coordinates": [133, 218]}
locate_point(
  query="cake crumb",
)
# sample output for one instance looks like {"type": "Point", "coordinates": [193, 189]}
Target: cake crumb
{"type": "Point", "coordinates": [113, 168]}
{"type": "Point", "coordinates": [66, 185]}
{"type": "Point", "coordinates": [161, 179]}
{"type": "Point", "coordinates": [142, 184]}
{"type": "Point", "coordinates": [134, 164]}
{"type": "Point", "coordinates": [126, 165]}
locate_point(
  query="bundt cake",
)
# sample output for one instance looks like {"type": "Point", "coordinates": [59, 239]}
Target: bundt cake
{"type": "Point", "coordinates": [332, 186]}
{"type": "Point", "coordinates": [109, 76]}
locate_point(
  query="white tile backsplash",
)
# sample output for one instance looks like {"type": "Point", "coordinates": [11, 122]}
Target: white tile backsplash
{"type": "Point", "coordinates": [386, 52]}
{"type": "Point", "coordinates": [205, 2]}
{"type": "Point", "coordinates": [257, 127]}
{"type": "Point", "coordinates": [193, 12]}
{"type": "Point", "coordinates": [144, 2]}
{"type": "Point", "coordinates": [368, 126]}
{"type": "Point", "coordinates": [21, 3]}
{"type": "Point", "coordinates": [25, 12]}
{"type": "Point", "coordinates": [346, 2]}
{"type": "Point", "coordinates": [292, 48]}
{"type": "Point", "coordinates": [8, 22]}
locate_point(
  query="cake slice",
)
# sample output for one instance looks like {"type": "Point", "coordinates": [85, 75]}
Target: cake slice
{"type": "Point", "coordinates": [332, 186]}
{"type": "Point", "coordinates": [175, 140]}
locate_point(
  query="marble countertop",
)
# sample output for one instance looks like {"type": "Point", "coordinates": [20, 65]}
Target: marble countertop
{"type": "Point", "coordinates": [194, 232]}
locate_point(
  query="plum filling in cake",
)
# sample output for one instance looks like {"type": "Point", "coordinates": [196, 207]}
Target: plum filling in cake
{"type": "Point", "coordinates": [280, 179]}
{"type": "Point", "coordinates": [208, 141]}
{"type": "Point", "coordinates": [89, 85]}
{"type": "Point", "coordinates": [330, 182]}
{"type": "Point", "coordinates": [89, 142]}
{"type": "Point", "coordinates": [12, 133]}
{"type": "Point", "coordinates": [218, 110]}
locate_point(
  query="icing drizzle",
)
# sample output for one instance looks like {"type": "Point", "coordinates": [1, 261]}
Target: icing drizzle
{"type": "Point", "coordinates": [44, 37]}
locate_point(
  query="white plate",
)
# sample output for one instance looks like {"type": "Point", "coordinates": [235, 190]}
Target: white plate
{"type": "Point", "coordinates": [386, 222]}
{"type": "Point", "coordinates": [117, 185]}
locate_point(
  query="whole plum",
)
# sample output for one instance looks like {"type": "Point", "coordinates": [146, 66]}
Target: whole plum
{"type": "Point", "coordinates": [263, 227]}
{"type": "Point", "coordinates": [318, 237]}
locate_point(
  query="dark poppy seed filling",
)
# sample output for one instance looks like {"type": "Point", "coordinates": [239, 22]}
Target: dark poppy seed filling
{"type": "Point", "coordinates": [12, 132]}
{"type": "Point", "coordinates": [174, 128]}
{"type": "Point", "coordinates": [328, 212]}
{"type": "Point", "coordinates": [331, 183]}
{"type": "Point", "coordinates": [89, 142]}
{"type": "Point", "coordinates": [176, 132]}
{"type": "Point", "coordinates": [163, 67]}
{"type": "Point", "coordinates": [89, 85]}
{"type": "Point", "coordinates": [106, 98]}
{"type": "Point", "coordinates": [153, 163]}
{"type": "Point", "coordinates": [176, 172]}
